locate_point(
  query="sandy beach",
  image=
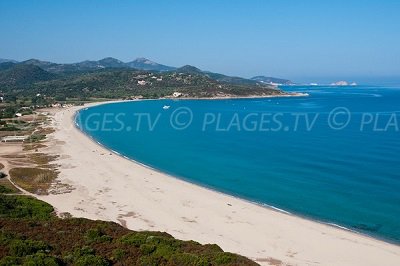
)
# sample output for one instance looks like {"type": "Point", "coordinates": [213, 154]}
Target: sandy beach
{"type": "Point", "coordinates": [109, 187]}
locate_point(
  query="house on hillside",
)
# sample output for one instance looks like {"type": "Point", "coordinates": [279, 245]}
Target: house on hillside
{"type": "Point", "coordinates": [177, 94]}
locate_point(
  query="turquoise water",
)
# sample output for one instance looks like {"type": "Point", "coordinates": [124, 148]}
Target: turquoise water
{"type": "Point", "coordinates": [340, 167]}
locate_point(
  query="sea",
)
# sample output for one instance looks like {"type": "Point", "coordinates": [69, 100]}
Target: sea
{"type": "Point", "coordinates": [332, 156]}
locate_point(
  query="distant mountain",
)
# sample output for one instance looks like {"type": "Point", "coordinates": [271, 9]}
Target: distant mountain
{"type": "Point", "coordinates": [87, 65]}
{"type": "Point", "coordinates": [188, 69]}
{"type": "Point", "coordinates": [39, 63]}
{"type": "Point", "coordinates": [142, 64]}
{"type": "Point", "coordinates": [146, 64]}
{"type": "Point", "coordinates": [2, 60]}
{"type": "Point", "coordinates": [271, 80]}
{"type": "Point", "coordinates": [112, 63]}
{"type": "Point", "coordinates": [21, 74]}
{"type": "Point", "coordinates": [115, 80]}
{"type": "Point", "coordinates": [6, 65]}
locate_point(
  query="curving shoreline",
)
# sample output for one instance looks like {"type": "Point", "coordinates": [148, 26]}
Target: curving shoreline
{"type": "Point", "coordinates": [109, 187]}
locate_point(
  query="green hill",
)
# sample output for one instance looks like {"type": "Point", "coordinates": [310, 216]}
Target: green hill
{"type": "Point", "coordinates": [21, 75]}
{"type": "Point", "coordinates": [29, 80]}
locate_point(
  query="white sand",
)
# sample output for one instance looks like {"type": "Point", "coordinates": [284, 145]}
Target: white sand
{"type": "Point", "coordinates": [109, 187]}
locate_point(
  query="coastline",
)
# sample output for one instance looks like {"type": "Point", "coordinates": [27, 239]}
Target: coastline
{"type": "Point", "coordinates": [143, 198]}
{"type": "Point", "coordinates": [232, 97]}
{"type": "Point", "coordinates": [263, 205]}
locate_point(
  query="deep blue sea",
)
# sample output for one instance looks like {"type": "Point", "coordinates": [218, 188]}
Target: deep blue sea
{"type": "Point", "coordinates": [333, 156]}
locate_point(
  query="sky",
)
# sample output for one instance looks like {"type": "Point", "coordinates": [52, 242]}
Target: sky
{"type": "Point", "coordinates": [306, 40]}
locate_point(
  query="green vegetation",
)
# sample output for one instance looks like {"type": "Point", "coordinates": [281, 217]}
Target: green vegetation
{"type": "Point", "coordinates": [31, 235]}
{"type": "Point", "coordinates": [27, 84]}
{"type": "Point", "coordinates": [35, 138]}
{"type": "Point", "coordinates": [24, 207]}
{"type": "Point", "coordinates": [5, 190]}
{"type": "Point", "coordinates": [7, 187]}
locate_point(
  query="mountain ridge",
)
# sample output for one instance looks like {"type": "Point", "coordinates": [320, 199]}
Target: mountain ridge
{"type": "Point", "coordinates": [140, 63]}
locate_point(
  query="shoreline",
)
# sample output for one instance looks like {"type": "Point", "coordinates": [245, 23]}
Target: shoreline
{"type": "Point", "coordinates": [214, 190]}
{"type": "Point", "coordinates": [234, 242]}
{"type": "Point", "coordinates": [231, 97]}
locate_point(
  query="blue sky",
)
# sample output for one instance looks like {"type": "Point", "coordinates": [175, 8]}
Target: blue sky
{"type": "Point", "coordinates": [300, 40]}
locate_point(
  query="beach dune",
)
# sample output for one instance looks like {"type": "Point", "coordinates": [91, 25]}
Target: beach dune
{"type": "Point", "coordinates": [109, 187]}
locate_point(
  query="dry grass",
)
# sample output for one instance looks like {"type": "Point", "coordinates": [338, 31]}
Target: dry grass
{"type": "Point", "coordinates": [14, 156]}
{"type": "Point", "coordinates": [33, 146]}
{"type": "Point", "coordinates": [34, 180]}
{"type": "Point", "coordinates": [45, 130]}
{"type": "Point", "coordinates": [13, 133]}
{"type": "Point", "coordinates": [42, 159]}
{"type": "Point", "coordinates": [4, 182]}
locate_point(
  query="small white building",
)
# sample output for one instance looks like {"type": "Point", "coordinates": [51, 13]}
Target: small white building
{"type": "Point", "coordinates": [141, 82]}
{"type": "Point", "coordinates": [177, 94]}
{"type": "Point", "coordinates": [14, 138]}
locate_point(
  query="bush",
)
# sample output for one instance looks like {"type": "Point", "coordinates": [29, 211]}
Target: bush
{"type": "Point", "coordinates": [35, 138]}
{"type": "Point", "coordinates": [188, 259]}
{"type": "Point", "coordinates": [85, 250]}
{"type": "Point", "coordinates": [147, 248]}
{"type": "Point", "coordinates": [24, 207]}
{"type": "Point", "coordinates": [40, 259]}
{"type": "Point", "coordinates": [10, 261]}
{"type": "Point", "coordinates": [135, 239]}
{"type": "Point", "coordinates": [149, 261]}
{"type": "Point", "coordinates": [5, 190]}
{"type": "Point", "coordinates": [118, 254]}
{"type": "Point", "coordinates": [96, 235]}
{"type": "Point", "coordinates": [91, 260]}
{"type": "Point", "coordinates": [224, 258]}
{"type": "Point", "coordinates": [21, 248]}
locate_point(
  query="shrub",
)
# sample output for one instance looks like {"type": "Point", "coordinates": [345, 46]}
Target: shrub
{"type": "Point", "coordinates": [91, 260]}
{"type": "Point", "coordinates": [85, 250]}
{"type": "Point", "coordinates": [20, 248]}
{"type": "Point", "coordinates": [5, 238]}
{"type": "Point", "coordinates": [5, 190]}
{"type": "Point", "coordinates": [10, 261]}
{"type": "Point", "coordinates": [147, 248]}
{"type": "Point", "coordinates": [118, 254]}
{"type": "Point", "coordinates": [40, 259]}
{"type": "Point", "coordinates": [224, 258]}
{"type": "Point", "coordinates": [96, 235]}
{"type": "Point", "coordinates": [188, 259]}
{"type": "Point", "coordinates": [135, 239]}
{"type": "Point", "coordinates": [24, 207]}
{"type": "Point", "coordinates": [36, 137]}
{"type": "Point", "coordinates": [149, 261]}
